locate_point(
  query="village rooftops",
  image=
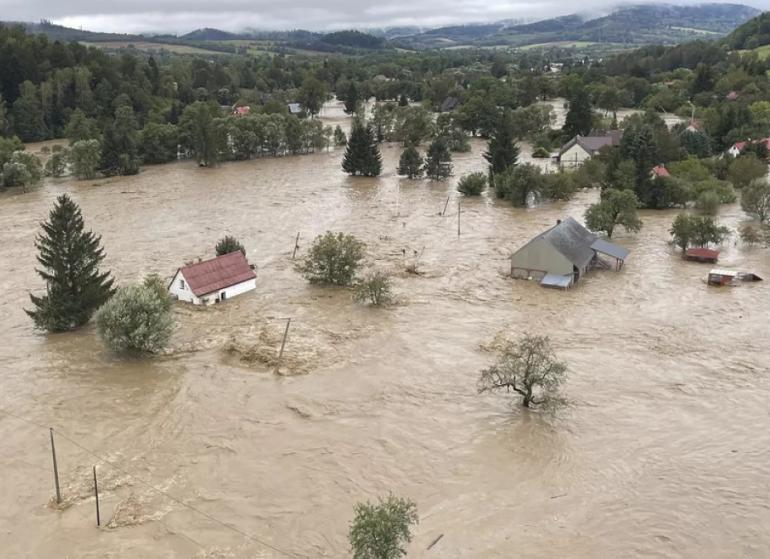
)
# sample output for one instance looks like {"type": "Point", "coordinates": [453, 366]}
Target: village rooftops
{"type": "Point", "coordinates": [218, 273]}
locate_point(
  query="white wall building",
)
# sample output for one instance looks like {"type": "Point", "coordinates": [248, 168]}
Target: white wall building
{"type": "Point", "coordinates": [213, 281]}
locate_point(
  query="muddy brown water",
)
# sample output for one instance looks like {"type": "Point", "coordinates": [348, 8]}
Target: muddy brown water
{"type": "Point", "coordinates": [662, 451]}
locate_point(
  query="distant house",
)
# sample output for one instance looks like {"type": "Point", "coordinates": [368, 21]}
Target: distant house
{"type": "Point", "coordinates": [694, 127]}
{"type": "Point", "coordinates": [241, 111]}
{"type": "Point", "coordinates": [213, 281]}
{"type": "Point", "coordinates": [563, 254]}
{"type": "Point", "coordinates": [660, 172]}
{"type": "Point", "coordinates": [294, 108]}
{"type": "Point", "coordinates": [581, 148]}
{"type": "Point", "coordinates": [732, 96]}
{"type": "Point", "coordinates": [737, 148]}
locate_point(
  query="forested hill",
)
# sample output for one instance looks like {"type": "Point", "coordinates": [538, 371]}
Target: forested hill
{"type": "Point", "coordinates": [752, 34]}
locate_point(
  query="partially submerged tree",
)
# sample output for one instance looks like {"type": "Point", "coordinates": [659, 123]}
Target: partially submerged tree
{"type": "Point", "coordinates": [411, 163]}
{"type": "Point", "coordinates": [616, 207]}
{"type": "Point", "coordinates": [502, 151]}
{"type": "Point", "coordinates": [23, 169]}
{"type": "Point", "coordinates": [374, 288]}
{"type": "Point", "coordinates": [340, 139]}
{"type": "Point", "coordinates": [472, 184]}
{"type": "Point", "coordinates": [333, 259]}
{"type": "Point", "coordinates": [527, 367]}
{"type": "Point", "coordinates": [382, 530]}
{"type": "Point", "coordinates": [362, 156]}
{"type": "Point", "coordinates": [70, 257]}
{"type": "Point", "coordinates": [696, 230]}
{"type": "Point", "coordinates": [438, 162]}
{"type": "Point", "coordinates": [136, 320]}
{"type": "Point", "coordinates": [755, 199]}
{"type": "Point", "coordinates": [84, 158]}
{"type": "Point", "coordinates": [228, 244]}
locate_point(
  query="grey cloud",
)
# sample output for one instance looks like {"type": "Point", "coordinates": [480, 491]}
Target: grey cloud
{"type": "Point", "coordinates": [179, 16]}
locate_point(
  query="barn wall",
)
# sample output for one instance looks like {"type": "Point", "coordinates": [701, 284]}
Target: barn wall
{"type": "Point", "coordinates": [538, 258]}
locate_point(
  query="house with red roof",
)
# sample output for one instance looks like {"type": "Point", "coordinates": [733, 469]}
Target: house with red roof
{"type": "Point", "coordinates": [737, 148]}
{"type": "Point", "coordinates": [243, 110]}
{"type": "Point", "coordinates": [660, 171]}
{"type": "Point", "coordinates": [213, 281]}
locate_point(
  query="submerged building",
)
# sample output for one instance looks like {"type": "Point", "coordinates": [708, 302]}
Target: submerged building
{"type": "Point", "coordinates": [561, 255]}
{"type": "Point", "coordinates": [213, 281]}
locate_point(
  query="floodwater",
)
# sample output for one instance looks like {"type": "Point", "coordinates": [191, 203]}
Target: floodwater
{"type": "Point", "coordinates": [662, 451]}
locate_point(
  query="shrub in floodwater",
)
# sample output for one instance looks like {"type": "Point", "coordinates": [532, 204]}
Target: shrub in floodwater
{"type": "Point", "coordinates": [375, 288]}
{"type": "Point", "coordinates": [707, 203]}
{"type": "Point", "coordinates": [750, 234]}
{"type": "Point", "coordinates": [472, 184]}
{"type": "Point", "coordinates": [137, 320]}
{"type": "Point", "coordinates": [382, 530]}
{"type": "Point", "coordinates": [333, 259]}
{"type": "Point", "coordinates": [528, 367]}
{"type": "Point", "coordinates": [228, 244]}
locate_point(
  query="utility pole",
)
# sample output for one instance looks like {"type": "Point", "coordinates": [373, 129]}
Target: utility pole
{"type": "Point", "coordinates": [55, 468]}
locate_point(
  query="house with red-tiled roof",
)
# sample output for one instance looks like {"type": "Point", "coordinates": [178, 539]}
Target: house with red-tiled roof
{"type": "Point", "coordinates": [660, 171]}
{"type": "Point", "coordinates": [213, 281]}
{"type": "Point", "coordinates": [243, 110]}
{"type": "Point", "coordinates": [737, 148]}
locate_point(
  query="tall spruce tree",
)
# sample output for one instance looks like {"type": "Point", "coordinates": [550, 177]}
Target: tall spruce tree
{"type": "Point", "coordinates": [70, 257]}
{"type": "Point", "coordinates": [362, 156]}
{"type": "Point", "coordinates": [411, 163]}
{"type": "Point", "coordinates": [580, 116]}
{"type": "Point", "coordinates": [645, 154]}
{"type": "Point", "coordinates": [438, 163]}
{"type": "Point", "coordinates": [502, 151]}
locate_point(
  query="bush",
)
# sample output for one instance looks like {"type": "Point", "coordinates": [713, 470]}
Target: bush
{"type": "Point", "coordinates": [136, 320]}
{"type": "Point", "coordinates": [750, 234]}
{"type": "Point", "coordinates": [472, 184]}
{"type": "Point", "coordinates": [23, 169]}
{"type": "Point", "coordinates": [57, 163]}
{"type": "Point", "coordinates": [381, 531]}
{"type": "Point", "coordinates": [228, 244]}
{"type": "Point", "coordinates": [160, 287]}
{"type": "Point", "coordinates": [333, 259]}
{"type": "Point", "coordinates": [375, 288]}
{"type": "Point", "coordinates": [708, 203]}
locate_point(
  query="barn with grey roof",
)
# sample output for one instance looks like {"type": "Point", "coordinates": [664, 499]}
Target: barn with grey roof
{"type": "Point", "coordinates": [561, 255]}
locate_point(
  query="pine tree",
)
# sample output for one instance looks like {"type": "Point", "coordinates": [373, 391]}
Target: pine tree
{"type": "Point", "coordinates": [580, 116]}
{"type": "Point", "coordinates": [70, 257]}
{"type": "Point", "coordinates": [362, 156]}
{"type": "Point", "coordinates": [438, 163]}
{"type": "Point", "coordinates": [410, 163]}
{"type": "Point", "coordinates": [120, 148]}
{"type": "Point", "coordinates": [351, 98]}
{"type": "Point", "coordinates": [644, 152]}
{"type": "Point", "coordinates": [502, 151]}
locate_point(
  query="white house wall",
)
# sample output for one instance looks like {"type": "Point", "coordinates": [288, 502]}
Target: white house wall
{"type": "Point", "coordinates": [574, 156]}
{"type": "Point", "coordinates": [186, 294]}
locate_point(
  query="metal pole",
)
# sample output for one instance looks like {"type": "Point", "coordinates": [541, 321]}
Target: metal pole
{"type": "Point", "coordinates": [283, 344]}
{"type": "Point", "coordinates": [55, 468]}
{"type": "Point", "coordinates": [296, 246]}
{"type": "Point", "coordinates": [96, 493]}
{"type": "Point", "coordinates": [445, 205]}
{"type": "Point", "coordinates": [459, 210]}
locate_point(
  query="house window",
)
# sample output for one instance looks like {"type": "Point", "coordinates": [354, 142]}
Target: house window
{"type": "Point", "coordinates": [181, 284]}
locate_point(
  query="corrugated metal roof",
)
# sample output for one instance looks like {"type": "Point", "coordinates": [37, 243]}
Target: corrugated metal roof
{"type": "Point", "coordinates": [555, 280]}
{"type": "Point", "coordinates": [702, 253]}
{"type": "Point", "coordinates": [220, 272]}
{"type": "Point", "coordinates": [572, 240]}
{"type": "Point", "coordinates": [610, 249]}
{"type": "Point", "coordinates": [721, 272]}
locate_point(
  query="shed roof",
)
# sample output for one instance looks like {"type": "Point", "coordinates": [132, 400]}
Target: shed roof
{"type": "Point", "coordinates": [220, 272]}
{"type": "Point", "coordinates": [572, 240]}
{"type": "Point", "coordinates": [702, 253]}
{"type": "Point", "coordinates": [591, 144]}
{"type": "Point", "coordinates": [556, 280]}
{"type": "Point", "coordinates": [610, 249]}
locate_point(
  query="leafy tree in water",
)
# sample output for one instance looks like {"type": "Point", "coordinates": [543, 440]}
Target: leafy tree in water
{"type": "Point", "coordinates": [84, 158]}
{"type": "Point", "coordinates": [136, 320]}
{"type": "Point", "coordinates": [158, 143]}
{"type": "Point", "coordinates": [580, 116]}
{"type": "Point", "coordinates": [745, 169]}
{"type": "Point", "coordinates": [362, 156]}
{"type": "Point", "coordinates": [340, 139]}
{"type": "Point", "coordinates": [411, 163]}
{"type": "Point", "coordinates": [57, 163]}
{"type": "Point", "coordinates": [616, 207]}
{"type": "Point", "coordinates": [528, 367]}
{"type": "Point", "coordinates": [333, 259]}
{"type": "Point", "coordinates": [518, 183]}
{"type": "Point", "coordinates": [438, 162]}
{"type": "Point", "coordinates": [70, 258]}
{"type": "Point", "coordinates": [228, 244]}
{"type": "Point", "coordinates": [502, 151]}
{"type": "Point", "coordinates": [200, 132]}
{"type": "Point", "coordinates": [23, 169]}
{"type": "Point", "coordinates": [472, 184]}
{"type": "Point", "coordinates": [80, 127]}
{"type": "Point", "coordinates": [755, 199]}
{"type": "Point", "coordinates": [375, 288]}
{"type": "Point", "coordinates": [120, 147]}
{"type": "Point", "coordinates": [312, 95]}
{"type": "Point", "coordinates": [382, 530]}
{"type": "Point", "coordinates": [696, 230]}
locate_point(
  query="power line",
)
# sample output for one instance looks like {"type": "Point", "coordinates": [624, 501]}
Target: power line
{"type": "Point", "coordinates": [157, 490]}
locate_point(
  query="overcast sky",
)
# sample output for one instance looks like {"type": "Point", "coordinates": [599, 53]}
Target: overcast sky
{"type": "Point", "coordinates": [181, 16]}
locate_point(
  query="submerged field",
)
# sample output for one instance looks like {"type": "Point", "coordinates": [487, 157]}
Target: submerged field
{"type": "Point", "coordinates": [662, 451]}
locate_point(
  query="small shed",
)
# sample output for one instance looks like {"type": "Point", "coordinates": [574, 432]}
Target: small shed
{"type": "Point", "coordinates": [730, 277]}
{"type": "Point", "coordinates": [213, 281]}
{"type": "Point", "coordinates": [702, 255]}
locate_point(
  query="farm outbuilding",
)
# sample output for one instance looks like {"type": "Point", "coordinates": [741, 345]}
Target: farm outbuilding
{"type": "Point", "coordinates": [561, 255]}
{"type": "Point", "coordinates": [213, 281]}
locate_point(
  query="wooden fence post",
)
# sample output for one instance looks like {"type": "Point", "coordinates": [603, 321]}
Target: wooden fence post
{"type": "Point", "coordinates": [55, 468]}
{"type": "Point", "coordinates": [96, 493]}
{"type": "Point", "coordinates": [283, 345]}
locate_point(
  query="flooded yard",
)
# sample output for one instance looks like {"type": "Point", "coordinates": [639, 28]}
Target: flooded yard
{"type": "Point", "coordinates": [662, 451]}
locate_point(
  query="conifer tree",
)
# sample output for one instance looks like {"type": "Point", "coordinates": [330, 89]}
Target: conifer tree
{"type": "Point", "coordinates": [580, 116]}
{"type": "Point", "coordinates": [438, 163]}
{"type": "Point", "coordinates": [502, 151]}
{"type": "Point", "coordinates": [362, 156]}
{"type": "Point", "coordinates": [410, 163]}
{"type": "Point", "coordinates": [120, 149]}
{"type": "Point", "coordinates": [70, 258]}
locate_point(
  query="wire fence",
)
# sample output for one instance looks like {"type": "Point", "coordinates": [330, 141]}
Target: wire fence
{"type": "Point", "coordinates": [157, 490]}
